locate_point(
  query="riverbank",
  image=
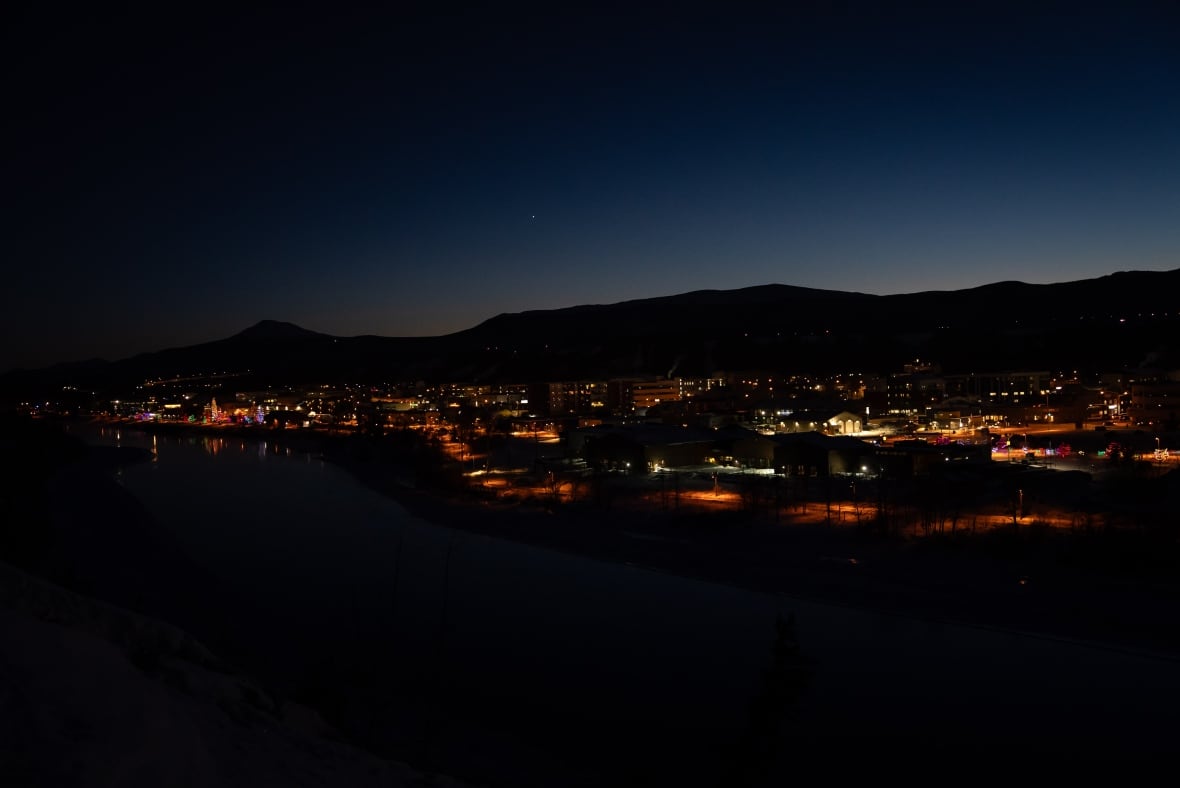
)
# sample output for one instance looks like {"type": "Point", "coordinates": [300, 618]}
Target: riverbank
{"type": "Point", "coordinates": [1016, 581]}
{"type": "Point", "coordinates": [101, 681]}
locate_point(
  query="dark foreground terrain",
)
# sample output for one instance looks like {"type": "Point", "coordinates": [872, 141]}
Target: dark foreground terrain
{"type": "Point", "coordinates": [1096, 586]}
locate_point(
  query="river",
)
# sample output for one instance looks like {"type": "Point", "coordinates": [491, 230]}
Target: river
{"type": "Point", "coordinates": [523, 666]}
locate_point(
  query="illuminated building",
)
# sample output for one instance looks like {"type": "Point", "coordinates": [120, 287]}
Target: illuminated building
{"type": "Point", "coordinates": [647, 393]}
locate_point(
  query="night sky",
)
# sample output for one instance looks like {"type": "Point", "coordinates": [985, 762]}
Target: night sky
{"type": "Point", "coordinates": [176, 177]}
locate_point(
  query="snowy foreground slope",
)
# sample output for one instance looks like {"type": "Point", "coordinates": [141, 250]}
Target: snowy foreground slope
{"type": "Point", "coordinates": [94, 695]}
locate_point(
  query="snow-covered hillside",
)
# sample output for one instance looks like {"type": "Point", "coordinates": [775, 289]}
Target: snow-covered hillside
{"type": "Point", "coordinates": [94, 695]}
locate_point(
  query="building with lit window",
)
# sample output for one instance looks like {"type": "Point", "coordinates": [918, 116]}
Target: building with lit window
{"type": "Point", "coordinates": [1157, 404]}
{"type": "Point", "coordinates": [648, 393]}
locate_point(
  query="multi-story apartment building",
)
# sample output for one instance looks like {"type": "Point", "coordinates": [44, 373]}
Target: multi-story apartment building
{"type": "Point", "coordinates": [648, 393]}
{"type": "Point", "coordinates": [1155, 404]}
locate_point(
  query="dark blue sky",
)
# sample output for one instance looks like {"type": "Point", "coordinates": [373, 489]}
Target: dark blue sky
{"type": "Point", "coordinates": [178, 178]}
